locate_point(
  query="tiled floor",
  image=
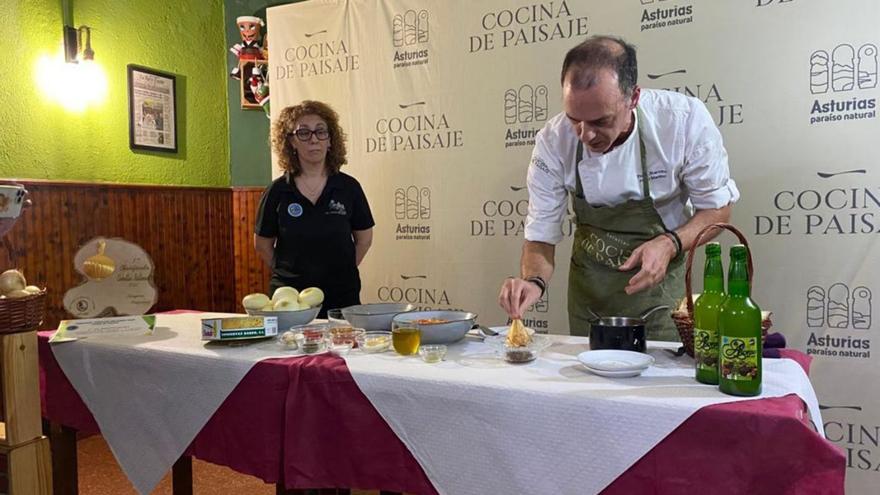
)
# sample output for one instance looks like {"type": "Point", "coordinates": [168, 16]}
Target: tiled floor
{"type": "Point", "coordinates": [99, 474]}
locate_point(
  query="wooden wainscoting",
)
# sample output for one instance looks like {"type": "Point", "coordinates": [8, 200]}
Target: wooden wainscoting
{"type": "Point", "coordinates": [251, 274]}
{"type": "Point", "coordinates": [200, 240]}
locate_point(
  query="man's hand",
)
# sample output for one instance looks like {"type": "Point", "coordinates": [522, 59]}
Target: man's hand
{"type": "Point", "coordinates": [653, 256]}
{"type": "Point", "coordinates": [517, 295]}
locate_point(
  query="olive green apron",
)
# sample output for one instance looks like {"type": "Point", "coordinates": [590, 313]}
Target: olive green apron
{"type": "Point", "coordinates": [604, 238]}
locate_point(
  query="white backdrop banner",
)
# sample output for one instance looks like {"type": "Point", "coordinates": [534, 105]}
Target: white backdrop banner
{"type": "Point", "coordinates": [441, 101]}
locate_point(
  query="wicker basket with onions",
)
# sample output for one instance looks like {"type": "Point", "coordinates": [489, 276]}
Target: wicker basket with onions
{"type": "Point", "coordinates": [21, 305]}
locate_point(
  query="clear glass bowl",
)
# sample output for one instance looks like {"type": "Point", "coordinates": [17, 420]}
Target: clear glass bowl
{"type": "Point", "coordinates": [287, 340]}
{"type": "Point", "coordinates": [518, 355]}
{"type": "Point", "coordinates": [343, 338]}
{"type": "Point", "coordinates": [432, 353]}
{"type": "Point", "coordinates": [375, 341]}
{"type": "Point", "coordinates": [335, 318]}
{"type": "Point", "coordinates": [312, 339]}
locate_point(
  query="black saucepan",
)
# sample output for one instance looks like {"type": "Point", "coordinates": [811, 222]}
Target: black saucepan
{"type": "Point", "coordinates": [619, 332]}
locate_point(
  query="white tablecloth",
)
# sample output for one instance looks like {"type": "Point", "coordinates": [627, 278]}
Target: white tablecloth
{"type": "Point", "coordinates": [151, 395]}
{"type": "Point", "coordinates": [479, 425]}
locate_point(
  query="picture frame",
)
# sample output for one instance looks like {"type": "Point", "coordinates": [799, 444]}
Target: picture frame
{"type": "Point", "coordinates": [249, 101]}
{"type": "Point", "coordinates": [152, 110]}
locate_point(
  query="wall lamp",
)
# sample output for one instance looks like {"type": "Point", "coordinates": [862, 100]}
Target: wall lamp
{"type": "Point", "coordinates": [78, 44]}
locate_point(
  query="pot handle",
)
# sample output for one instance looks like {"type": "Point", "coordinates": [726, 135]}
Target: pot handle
{"type": "Point", "coordinates": [646, 313]}
{"type": "Point", "coordinates": [595, 318]}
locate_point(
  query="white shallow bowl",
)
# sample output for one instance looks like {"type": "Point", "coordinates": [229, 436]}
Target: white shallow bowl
{"type": "Point", "coordinates": [616, 361]}
{"type": "Point", "coordinates": [287, 319]}
{"type": "Point", "coordinates": [615, 374]}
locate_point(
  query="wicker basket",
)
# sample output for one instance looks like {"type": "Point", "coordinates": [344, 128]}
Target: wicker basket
{"type": "Point", "coordinates": [684, 321]}
{"type": "Point", "coordinates": [22, 314]}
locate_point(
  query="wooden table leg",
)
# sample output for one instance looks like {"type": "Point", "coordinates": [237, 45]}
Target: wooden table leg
{"type": "Point", "coordinates": [64, 466]}
{"type": "Point", "coordinates": [181, 476]}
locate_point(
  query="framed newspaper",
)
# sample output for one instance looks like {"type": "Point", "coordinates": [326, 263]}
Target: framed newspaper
{"type": "Point", "coordinates": [152, 110]}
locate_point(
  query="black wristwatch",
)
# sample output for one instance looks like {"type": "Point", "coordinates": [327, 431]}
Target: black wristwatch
{"type": "Point", "coordinates": [540, 282]}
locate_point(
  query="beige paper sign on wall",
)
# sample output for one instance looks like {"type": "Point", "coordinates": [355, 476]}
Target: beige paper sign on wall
{"type": "Point", "coordinates": [118, 280]}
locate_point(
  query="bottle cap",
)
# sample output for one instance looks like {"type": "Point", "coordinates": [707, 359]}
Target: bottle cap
{"type": "Point", "coordinates": [739, 252]}
{"type": "Point", "coordinates": [713, 249]}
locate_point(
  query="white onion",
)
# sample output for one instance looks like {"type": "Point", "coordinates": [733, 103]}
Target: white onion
{"type": "Point", "coordinates": [15, 294]}
{"type": "Point", "coordinates": [255, 301]}
{"type": "Point", "coordinates": [33, 289]}
{"type": "Point", "coordinates": [11, 280]}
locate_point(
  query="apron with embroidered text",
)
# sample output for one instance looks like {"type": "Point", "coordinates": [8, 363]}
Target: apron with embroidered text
{"type": "Point", "coordinates": [604, 238]}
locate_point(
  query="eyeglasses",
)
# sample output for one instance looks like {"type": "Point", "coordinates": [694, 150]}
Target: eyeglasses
{"type": "Point", "coordinates": [306, 134]}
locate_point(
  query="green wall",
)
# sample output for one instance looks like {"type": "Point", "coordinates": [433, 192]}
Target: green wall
{"type": "Point", "coordinates": [249, 153]}
{"type": "Point", "coordinates": [41, 140]}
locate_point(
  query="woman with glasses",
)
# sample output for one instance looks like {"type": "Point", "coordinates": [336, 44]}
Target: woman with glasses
{"type": "Point", "coordinates": [314, 225]}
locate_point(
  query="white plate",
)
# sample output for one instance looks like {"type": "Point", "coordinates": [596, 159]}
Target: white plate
{"type": "Point", "coordinates": [615, 374]}
{"type": "Point", "coordinates": [615, 360]}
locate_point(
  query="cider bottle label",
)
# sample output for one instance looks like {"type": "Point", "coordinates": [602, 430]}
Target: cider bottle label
{"type": "Point", "coordinates": [706, 349]}
{"type": "Point", "coordinates": [739, 358]}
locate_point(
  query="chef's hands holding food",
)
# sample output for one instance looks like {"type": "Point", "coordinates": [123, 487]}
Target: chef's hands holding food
{"type": "Point", "coordinates": [517, 295]}
{"type": "Point", "coordinates": [653, 257]}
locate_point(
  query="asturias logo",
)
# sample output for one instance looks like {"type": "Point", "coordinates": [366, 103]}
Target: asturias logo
{"type": "Point", "coordinates": [846, 69]}
{"type": "Point", "coordinates": [839, 308]}
{"type": "Point", "coordinates": [666, 15]}
{"type": "Point", "coordinates": [414, 131]}
{"type": "Point", "coordinates": [525, 110]}
{"type": "Point", "coordinates": [527, 25]}
{"type": "Point", "coordinates": [416, 290]}
{"type": "Point", "coordinates": [318, 58]}
{"type": "Point", "coordinates": [412, 203]}
{"type": "Point", "coordinates": [765, 3]}
{"type": "Point", "coordinates": [407, 31]}
{"type": "Point", "coordinates": [724, 111]}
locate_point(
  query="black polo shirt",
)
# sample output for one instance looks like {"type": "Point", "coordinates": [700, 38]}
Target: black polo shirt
{"type": "Point", "coordinates": [314, 244]}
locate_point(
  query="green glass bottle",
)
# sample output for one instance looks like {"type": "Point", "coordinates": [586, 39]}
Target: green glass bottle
{"type": "Point", "coordinates": [706, 310]}
{"type": "Point", "coordinates": [739, 324]}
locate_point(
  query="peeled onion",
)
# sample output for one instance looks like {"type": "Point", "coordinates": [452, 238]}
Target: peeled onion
{"type": "Point", "coordinates": [311, 297]}
{"type": "Point", "coordinates": [15, 294]}
{"type": "Point", "coordinates": [255, 301]}
{"type": "Point", "coordinates": [11, 280]}
{"type": "Point", "coordinates": [288, 305]}
{"type": "Point", "coordinates": [285, 293]}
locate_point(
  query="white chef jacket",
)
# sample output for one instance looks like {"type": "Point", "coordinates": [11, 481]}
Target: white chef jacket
{"type": "Point", "coordinates": [686, 161]}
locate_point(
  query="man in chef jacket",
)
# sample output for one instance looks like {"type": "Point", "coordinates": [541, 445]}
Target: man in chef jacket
{"type": "Point", "coordinates": [645, 170]}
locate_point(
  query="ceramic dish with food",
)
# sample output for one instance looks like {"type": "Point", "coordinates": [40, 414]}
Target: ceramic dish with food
{"type": "Point", "coordinates": [374, 316]}
{"type": "Point", "coordinates": [439, 327]}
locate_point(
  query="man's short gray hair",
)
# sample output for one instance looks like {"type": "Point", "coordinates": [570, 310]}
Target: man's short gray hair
{"type": "Point", "coordinates": [601, 52]}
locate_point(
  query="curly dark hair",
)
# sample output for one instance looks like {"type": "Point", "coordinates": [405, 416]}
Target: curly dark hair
{"type": "Point", "coordinates": [284, 126]}
{"type": "Point", "coordinates": [602, 52]}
